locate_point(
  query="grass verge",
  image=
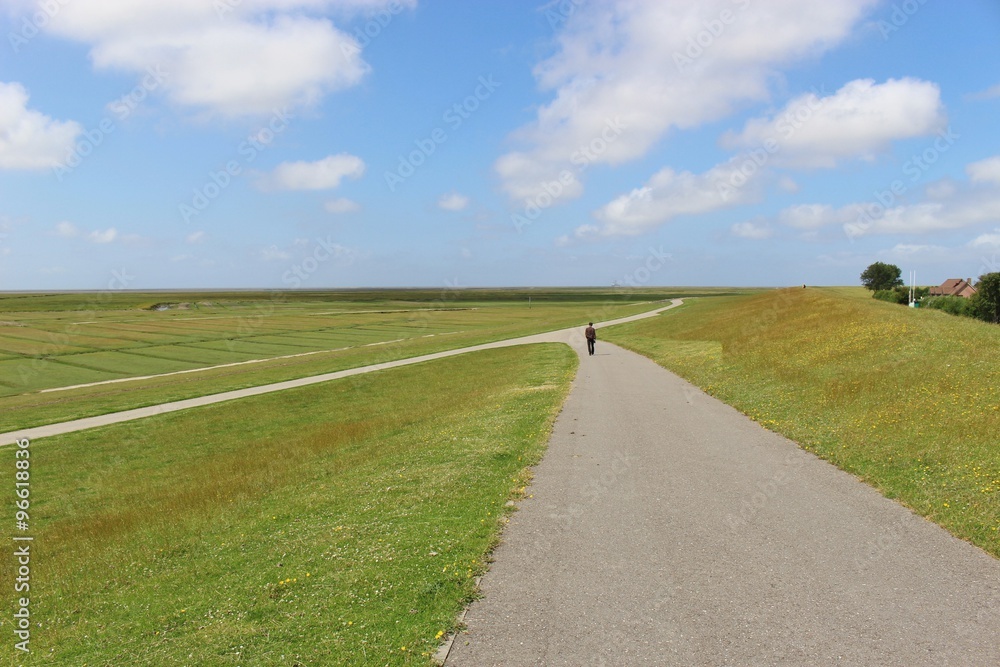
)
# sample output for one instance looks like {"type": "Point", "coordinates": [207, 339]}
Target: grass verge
{"type": "Point", "coordinates": [342, 523]}
{"type": "Point", "coordinates": [907, 400]}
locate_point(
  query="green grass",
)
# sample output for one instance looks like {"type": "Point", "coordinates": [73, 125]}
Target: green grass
{"type": "Point", "coordinates": [241, 329]}
{"type": "Point", "coordinates": [906, 399]}
{"type": "Point", "coordinates": [329, 525]}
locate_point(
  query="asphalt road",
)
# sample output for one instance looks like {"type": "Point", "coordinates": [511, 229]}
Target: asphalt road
{"type": "Point", "coordinates": [666, 528]}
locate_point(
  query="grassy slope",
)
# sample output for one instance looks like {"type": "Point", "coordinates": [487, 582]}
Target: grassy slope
{"type": "Point", "coordinates": [907, 400]}
{"type": "Point", "coordinates": [342, 523]}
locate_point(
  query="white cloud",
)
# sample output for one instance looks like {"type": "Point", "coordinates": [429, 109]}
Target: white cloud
{"type": "Point", "coordinates": [274, 253]}
{"type": "Point", "coordinates": [966, 207]}
{"type": "Point", "coordinates": [751, 230]}
{"type": "Point", "coordinates": [669, 194]}
{"type": "Point", "coordinates": [323, 174]}
{"type": "Point", "coordinates": [453, 201]}
{"type": "Point", "coordinates": [991, 93]}
{"type": "Point", "coordinates": [911, 249]}
{"type": "Point", "coordinates": [66, 230]}
{"type": "Point", "coordinates": [860, 120]}
{"type": "Point", "coordinates": [106, 236]}
{"type": "Point", "coordinates": [341, 205]}
{"type": "Point", "coordinates": [985, 171]}
{"type": "Point", "coordinates": [195, 237]}
{"type": "Point", "coordinates": [991, 240]}
{"type": "Point", "coordinates": [788, 184]}
{"type": "Point", "coordinates": [229, 58]}
{"type": "Point", "coordinates": [809, 217]}
{"type": "Point", "coordinates": [634, 62]}
{"type": "Point", "coordinates": [945, 205]}
{"type": "Point", "coordinates": [29, 139]}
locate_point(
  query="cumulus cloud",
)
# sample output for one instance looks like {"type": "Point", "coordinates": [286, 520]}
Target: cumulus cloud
{"type": "Point", "coordinates": [195, 237]}
{"type": "Point", "coordinates": [991, 93]}
{"type": "Point", "coordinates": [988, 241]}
{"type": "Point", "coordinates": [985, 171]}
{"type": "Point", "coordinates": [323, 174]}
{"type": "Point", "coordinates": [669, 194]}
{"type": "Point", "coordinates": [638, 65]}
{"type": "Point", "coordinates": [274, 253]}
{"type": "Point", "coordinates": [860, 120]}
{"type": "Point", "coordinates": [453, 201]}
{"type": "Point", "coordinates": [66, 230]}
{"type": "Point", "coordinates": [751, 230]}
{"type": "Point", "coordinates": [29, 139]}
{"type": "Point", "coordinates": [341, 205]}
{"type": "Point", "coordinates": [910, 249]}
{"type": "Point", "coordinates": [103, 236]}
{"type": "Point", "coordinates": [232, 59]}
{"type": "Point", "coordinates": [944, 205]}
{"type": "Point", "coordinates": [810, 217]}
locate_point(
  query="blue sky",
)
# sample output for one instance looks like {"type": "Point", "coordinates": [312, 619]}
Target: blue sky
{"type": "Point", "coordinates": [351, 143]}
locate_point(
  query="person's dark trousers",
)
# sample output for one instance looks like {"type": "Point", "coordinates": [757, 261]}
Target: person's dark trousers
{"type": "Point", "coordinates": [590, 346]}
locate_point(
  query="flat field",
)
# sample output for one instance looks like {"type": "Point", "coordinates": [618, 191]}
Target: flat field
{"type": "Point", "coordinates": [58, 341]}
{"type": "Point", "coordinates": [906, 399]}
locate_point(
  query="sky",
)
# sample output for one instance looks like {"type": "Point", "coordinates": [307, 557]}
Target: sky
{"type": "Point", "coordinates": [310, 144]}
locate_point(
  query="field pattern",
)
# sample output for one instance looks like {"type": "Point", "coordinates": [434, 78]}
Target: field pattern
{"type": "Point", "coordinates": [50, 342]}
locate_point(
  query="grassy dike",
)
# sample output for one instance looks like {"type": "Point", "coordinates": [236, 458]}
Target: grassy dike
{"type": "Point", "coordinates": [342, 523]}
{"type": "Point", "coordinates": [907, 400]}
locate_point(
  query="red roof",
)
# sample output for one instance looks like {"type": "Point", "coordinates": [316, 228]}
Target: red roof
{"type": "Point", "coordinates": [954, 287]}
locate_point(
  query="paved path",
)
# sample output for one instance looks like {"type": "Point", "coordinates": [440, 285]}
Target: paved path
{"type": "Point", "coordinates": [666, 528]}
{"type": "Point", "coordinates": [572, 336]}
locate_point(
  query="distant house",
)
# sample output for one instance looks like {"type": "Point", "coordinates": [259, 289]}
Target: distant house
{"type": "Point", "coordinates": [955, 287]}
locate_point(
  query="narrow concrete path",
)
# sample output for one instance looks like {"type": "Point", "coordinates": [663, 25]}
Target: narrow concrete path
{"type": "Point", "coordinates": [573, 336]}
{"type": "Point", "coordinates": [666, 528]}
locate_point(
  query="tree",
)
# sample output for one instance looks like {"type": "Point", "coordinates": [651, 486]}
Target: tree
{"type": "Point", "coordinates": [881, 276]}
{"type": "Point", "coordinates": [987, 297]}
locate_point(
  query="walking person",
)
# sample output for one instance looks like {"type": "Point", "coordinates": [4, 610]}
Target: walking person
{"type": "Point", "coordinates": [591, 333]}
